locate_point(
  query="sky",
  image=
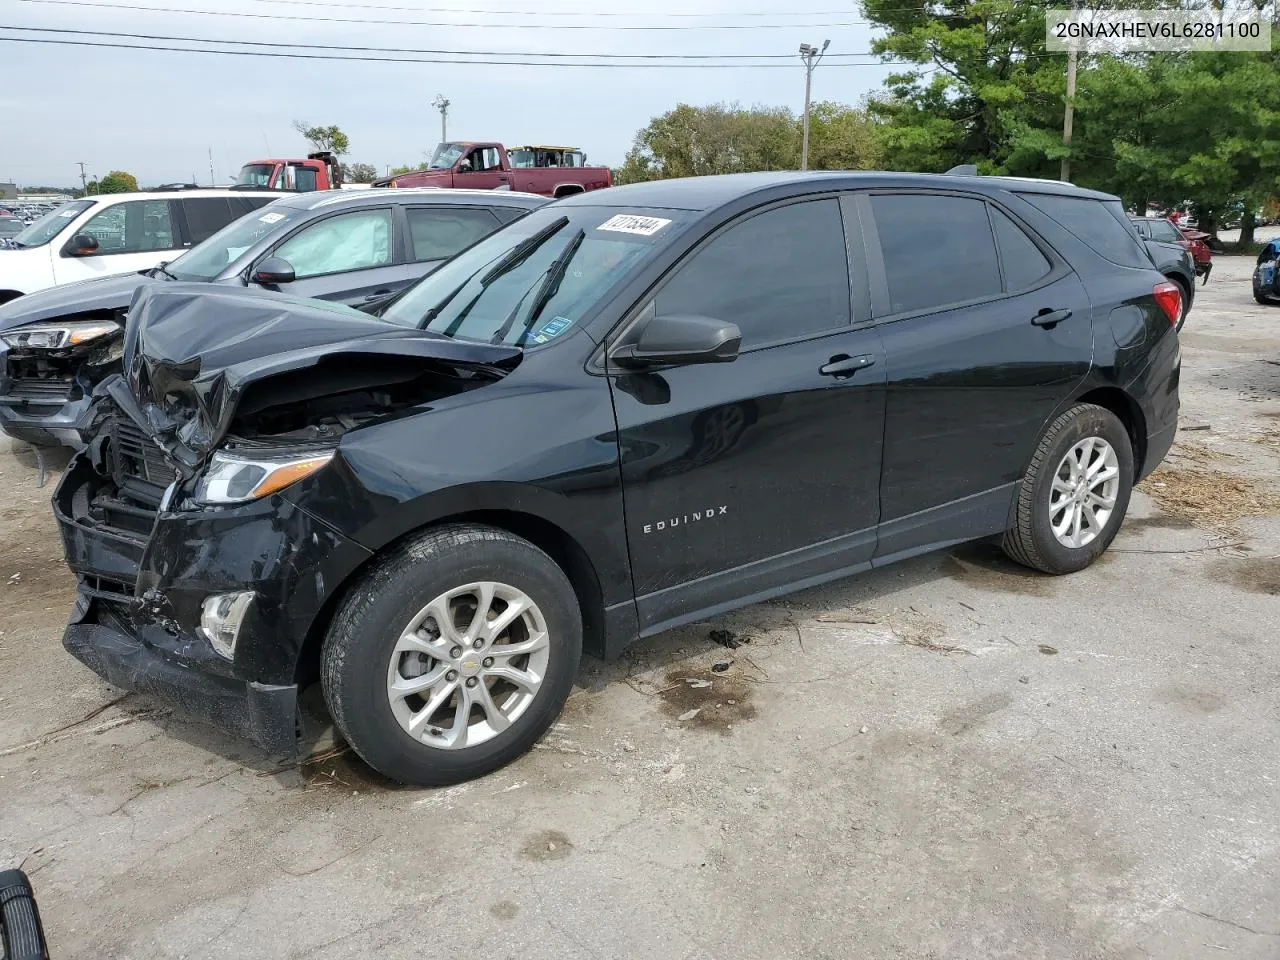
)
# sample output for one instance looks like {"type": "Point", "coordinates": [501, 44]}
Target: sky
{"type": "Point", "coordinates": [159, 114]}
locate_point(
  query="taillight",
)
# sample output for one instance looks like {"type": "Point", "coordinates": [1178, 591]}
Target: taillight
{"type": "Point", "coordinates": [1169, 296]}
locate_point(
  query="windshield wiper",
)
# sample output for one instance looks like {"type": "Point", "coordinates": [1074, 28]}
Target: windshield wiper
{"type": "Point", "coordinates": [517, 255]}
{"type": "Point", "coordinates": [551, 277]}
{"type": "Point", "coordinates": [551, 285]}
{"type": "Point", "coordinates": [160, 268]}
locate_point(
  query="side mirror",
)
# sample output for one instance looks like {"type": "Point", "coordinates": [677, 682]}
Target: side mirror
{"type": "Point", "coordinates": [681, 339]}
{"type": "Point", "coordinates": [83, 245]}
{"type": "Point", "coordinates": [272, 271]}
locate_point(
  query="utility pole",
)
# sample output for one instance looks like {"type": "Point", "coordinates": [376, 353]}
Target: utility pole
{"type": "Point", "coordinates": [810, 55]}
{"type": "Point", "coordinates": [441, 104]}
{"type": "Point", "coordinates": [84, 181]}
{"type": "Point", "coordinates": [211, 178]}
{"type": "Point", "coordinates": [1069, 116]}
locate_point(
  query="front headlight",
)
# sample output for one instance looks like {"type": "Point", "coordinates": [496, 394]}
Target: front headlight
{"type": "Point", "coordinates": [235, 479]}
{"type": "Point", "coordinates": [55, 336]}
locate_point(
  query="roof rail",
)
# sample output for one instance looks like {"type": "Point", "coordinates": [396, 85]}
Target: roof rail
{"type": "Point", "coordinates": [963, 170]}
{"type": "Point", "coordinates": [166, 187]}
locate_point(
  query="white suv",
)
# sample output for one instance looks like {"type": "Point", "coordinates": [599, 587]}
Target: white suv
{"type": "Point", "coordinates": [117, 233]}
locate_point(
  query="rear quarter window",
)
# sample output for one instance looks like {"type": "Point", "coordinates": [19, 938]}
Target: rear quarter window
{"type": "Point", "coordinates": [1096, 224]}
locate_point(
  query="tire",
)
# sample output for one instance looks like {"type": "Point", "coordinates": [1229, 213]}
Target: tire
{"type": "Point", "coordinates": [360, 662]}
{"type": "Point", "coordinates": [1031, 540]}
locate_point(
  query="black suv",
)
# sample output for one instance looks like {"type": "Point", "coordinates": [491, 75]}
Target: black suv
{"type": "Point", "coordinates": [629, 410]}
{"type": "Point", "coordinates": [358, 248]}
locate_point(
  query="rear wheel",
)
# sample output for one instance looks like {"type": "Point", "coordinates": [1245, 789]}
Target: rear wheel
{"type": "Point", "coordinates": [453, 655]}
{"type": "Point", "coordinates": [1074, 494]}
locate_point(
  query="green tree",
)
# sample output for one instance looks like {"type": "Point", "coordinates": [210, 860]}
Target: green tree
{"type": "Point", "coordinates": [117, 181]}
{"type": "Point", "coordinates": [694, 141]}
{"type": "Point", "coordinates": [842, 137]}
{"type": "Point", "coordinates": [396, 171]}
{"type": "Point", "coordinates": [359, 173]}
{"type": "Point", "coordinates": [324, 138]}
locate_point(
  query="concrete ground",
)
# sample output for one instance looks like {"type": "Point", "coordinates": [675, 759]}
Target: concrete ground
{"type": "Point", "coordinates": [950, 758]}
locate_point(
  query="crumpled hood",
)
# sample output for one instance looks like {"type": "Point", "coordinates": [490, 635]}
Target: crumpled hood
{"type": "Point", "coordinates": [193, 351]}
{"type": "Point", "coordinates": [54, 303]}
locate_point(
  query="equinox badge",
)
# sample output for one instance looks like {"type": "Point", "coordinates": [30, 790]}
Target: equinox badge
{"type": "Point", "coordinates": [672, 522]}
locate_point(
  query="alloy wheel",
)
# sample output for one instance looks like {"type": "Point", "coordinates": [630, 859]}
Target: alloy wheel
{"type": "Point", "coordinates": [1084, 491]}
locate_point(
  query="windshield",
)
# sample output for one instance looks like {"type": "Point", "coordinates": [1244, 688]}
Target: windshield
{"type": "Point", "coordinates": [446, 156]}
{"type": "Point", "coordinates": [11, 226]}
{"type": "Point", "coordinates": [51, 224]}
{"type": "Point", "coordinates": [255, 175]}
{"type": "Point", "coordinates": [531, 282]}
{"type": "Point", "coordinates": [210, 258]}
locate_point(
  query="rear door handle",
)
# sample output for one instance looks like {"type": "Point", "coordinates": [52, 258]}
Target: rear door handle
{"type": "Point", "coordinates": [1050, 318]}
{"type": "Point", "coordinates": [842, 365]}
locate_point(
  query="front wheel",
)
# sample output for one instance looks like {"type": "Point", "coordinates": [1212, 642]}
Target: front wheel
{"type": "Point", "coordinates": [1074, 494]}
{"type": "Point", "coordinates": [453, 655]}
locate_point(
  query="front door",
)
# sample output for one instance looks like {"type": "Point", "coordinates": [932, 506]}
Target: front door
{"type": "Point", "coordinates": [134, 235]}
{"type": "Point", "coordinates": [987, 332]}
{"type": "Point", "coordinates": [350, 257]}
{"type": "Point", "coordinates": [740, 478]}
{"type": "Point", "coordinates": [484, 170]}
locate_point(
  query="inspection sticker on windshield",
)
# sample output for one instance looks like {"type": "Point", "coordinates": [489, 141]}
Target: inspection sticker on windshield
{"type": "Point", "coordinates": [271, 218]}
{"type": "Point", "coordinates": [629, 223]}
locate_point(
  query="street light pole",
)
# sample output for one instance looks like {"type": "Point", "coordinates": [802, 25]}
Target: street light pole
{"type": "Point", "coordinates": [810, 55]}
{"type": "Point", "coordinates": [441, 104]}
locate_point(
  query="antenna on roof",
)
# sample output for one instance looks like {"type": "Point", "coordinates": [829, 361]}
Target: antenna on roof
{"type": "Point", "coordinates": [964, 170]}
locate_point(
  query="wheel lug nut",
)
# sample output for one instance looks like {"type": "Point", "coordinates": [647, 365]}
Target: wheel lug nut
{"type": "Point", "coordinates": [488, 661]}
{"type": "Point", "coordinates": [455, 652]}
{"type": "Point", "coordinates": [472, 681]}
{"type": "Point", "coordinates": [478, 644]}
{"type": "Point", "coordinates": [451, 675]}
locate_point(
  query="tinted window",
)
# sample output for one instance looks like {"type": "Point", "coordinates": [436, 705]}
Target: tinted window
{"type": "Point", "coordinates": [1164, 230]}
{"type": "Point", "coordinates": [351, 241]}
{"type": "Point", "coordinates": [440, 232]}
{"type": "Point", "coordinates": [1096, 224]}
{"type": "Point", "coordinates": [1022, 260]}
{"type": "Point", "coordinates": [132, 227]}
{"type": "Point", "coordinates": [938, 250]}
{"type": "Point", "coordinates": [249, 204]}
{"type": "Point", "coordinates": [207, 215]}
{"type": "Point", "coordinates": [304, 178]}
{"type": "Point", "coordinates": [778, 275]}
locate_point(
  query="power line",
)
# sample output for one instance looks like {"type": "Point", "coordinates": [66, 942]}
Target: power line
{"type": "Point", "coordinates": [271, 54]}
{"type": "Point", "coordinates": [334, 56]}
{"type": "Point", "coordinates": [102, 5]}
{"type": "Point", "coordinates": [586, 14]}
{"type": "Point", "coordinates": [457, 53]}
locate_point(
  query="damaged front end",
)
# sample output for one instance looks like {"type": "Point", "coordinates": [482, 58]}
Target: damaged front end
{"type": "Point", "coordinates": [202, 572]}
{"type": "Point", "coordinates": [48, 373]}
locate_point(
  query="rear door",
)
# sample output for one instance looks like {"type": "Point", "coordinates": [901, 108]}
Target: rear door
{"type": "Point", "coordinates": [742, 477]}
{"type": "Point", "coordinates": [987, 330]}
{"type": "Point", "coordinates": [356, 258]}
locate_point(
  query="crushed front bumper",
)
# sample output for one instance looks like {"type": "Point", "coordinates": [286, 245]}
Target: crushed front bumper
{"type": "Point", "coordinates": [137, 611]}
{"type": "Point", "coordinates": [44, 423]}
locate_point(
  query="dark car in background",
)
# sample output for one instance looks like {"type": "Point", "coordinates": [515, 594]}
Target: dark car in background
{"type": "Point", "coordinates": [360, 249]}
{"type": "Point", "coordinates": [1266, 274]}
{"type": "Point", "coordinates": [433, 512]}
{"type": "Point", "coordinates": [1172, 255]}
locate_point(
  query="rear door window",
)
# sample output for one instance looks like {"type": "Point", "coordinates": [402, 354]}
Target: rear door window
{"type": "Point", "coordinates": [207, 215]}
{"type": "Point", "coordinates": [1100, 225]}
{"type": "Point", "coordinates": [938, 250]}
{"type": "Point", "coordinates": [1164, 230]}
{"type": "Point", "coordinates": [1021, 259]}
{"type": "Point", "coordinates": [779, 275]}
{"type": "Point", "coordinates": [438, 232]}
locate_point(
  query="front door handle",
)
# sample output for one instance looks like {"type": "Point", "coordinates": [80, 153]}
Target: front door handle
{"type": "Point", "coordinates": [1050, 318]}
{"type": "Point", "coordinates": [842, 365]}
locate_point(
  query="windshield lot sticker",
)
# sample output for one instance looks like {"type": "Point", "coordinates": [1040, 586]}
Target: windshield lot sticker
{"type": "Point", "coordinates": [271, 218]}
{"type": "Point", "coordinates": [552, 329]}
{"type": "Point", "coordinates": [640, 226]}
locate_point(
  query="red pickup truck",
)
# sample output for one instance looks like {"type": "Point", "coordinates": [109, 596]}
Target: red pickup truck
{"type": "Point", "coordinates": [550, 171]}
